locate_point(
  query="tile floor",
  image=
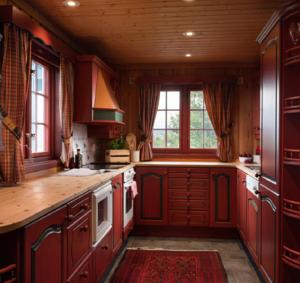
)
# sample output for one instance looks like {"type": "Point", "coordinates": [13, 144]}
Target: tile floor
{"type": "Point", "coordinates": [237, 265]}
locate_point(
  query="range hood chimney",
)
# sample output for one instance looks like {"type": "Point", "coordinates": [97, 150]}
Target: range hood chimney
{"type": "Point", "coordinates": [105, 105]}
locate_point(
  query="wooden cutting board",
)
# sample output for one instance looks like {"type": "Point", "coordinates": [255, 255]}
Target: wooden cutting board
{"type": "Point", "coordinates": [131, 141]}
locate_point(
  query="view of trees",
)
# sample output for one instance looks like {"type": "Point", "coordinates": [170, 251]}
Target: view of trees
{"type": "Point", "coordinates": [166, 133]}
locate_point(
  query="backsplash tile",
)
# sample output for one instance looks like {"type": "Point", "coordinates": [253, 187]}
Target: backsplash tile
{"type": "Point", "coordinates": [92, 150]}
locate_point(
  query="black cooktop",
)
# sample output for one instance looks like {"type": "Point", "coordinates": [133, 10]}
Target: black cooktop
{"type": "Point", "coordinates": [99, 166]}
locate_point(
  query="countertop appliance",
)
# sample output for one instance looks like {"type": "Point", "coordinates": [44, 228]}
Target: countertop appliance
{"type": "Point", "coordinates": [102, 212]}
{"type": "Point", "coordinates": [252, 185]}
{"type": "Point", "coordinates": [127, 198]}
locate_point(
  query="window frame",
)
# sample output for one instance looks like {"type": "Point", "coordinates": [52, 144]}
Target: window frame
{"type": "Point", "coordinates": [44, 160]}
{"type": "Point", "coordinates": [48, 107]}
{"type": "Point", "coordinates": [184, 124]}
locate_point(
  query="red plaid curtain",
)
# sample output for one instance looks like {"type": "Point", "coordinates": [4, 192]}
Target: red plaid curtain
{"type": "Point", "coordinates": [14, 89]}
{"type": "Point", "coordinates": [149, 99]}
{"type": "Point", "coordinates": [67, 89]}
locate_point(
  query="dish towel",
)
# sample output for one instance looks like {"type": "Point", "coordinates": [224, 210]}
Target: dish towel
{"type": "Point", "coordinates": [133, 190]}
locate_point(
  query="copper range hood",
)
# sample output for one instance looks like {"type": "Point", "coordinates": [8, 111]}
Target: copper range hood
{"type": "Point", "coordinates": [105, 106]}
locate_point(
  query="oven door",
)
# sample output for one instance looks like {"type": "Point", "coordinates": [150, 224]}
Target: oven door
{"type": "Point", "coordinates": [102, 212]}
{"type": "Point", "coordinates": [128, 204]}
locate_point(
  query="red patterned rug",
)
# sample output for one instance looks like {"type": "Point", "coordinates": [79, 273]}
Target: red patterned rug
{"type": "Point", "coordinates": [156, 266]}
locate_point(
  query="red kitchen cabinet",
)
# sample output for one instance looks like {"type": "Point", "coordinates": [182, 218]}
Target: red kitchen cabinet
{"type": "Point", "coordinates": [151, 206]}
{"type": "Point", "coordinates": [117, 184]}
{"type": "Point", "coordinates": [242, 204]}
{"type": "Point", "coordinates": [103, 256]}
{"type": "Point", "coordinates": [84, 273]}
{"type": "Point", "coordinates": [253, 225]}
{"type": "Point", "coordinates": [44, 248]}
{"type": "Point", "coordinates": [269, 234]}
{"type": "Point", "coordinates": [79, 236]}
{"type": "Point", "coordinates": [223, 197]}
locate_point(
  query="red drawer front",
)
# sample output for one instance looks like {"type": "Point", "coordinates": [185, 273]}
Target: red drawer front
{"type": "Point", "coordinates": [193, 183]}
{"type": "Point", "coordinates": [185, 194]}
{"type": "Point", "coordinates": [189, 170]}
{"type": "Point", "coordinates": [175, 183]}
{"type": "Point", "coordinates": [198, 183]}
{"type": "Point", "coordinates": [192, 204]}
{"type": "Point", "coordinates": [199, 218]}
{"type": "Point", "coordinates": [79, 207]}
{"type": "Point", "coordinates": [198, 175]}
{"type": "Point", "coordinates": [180, 218]}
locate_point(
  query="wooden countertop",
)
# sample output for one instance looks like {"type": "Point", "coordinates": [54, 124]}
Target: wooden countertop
{"type": "Point", "coordinates": [27, 202]}
{"type": "Point", "coordinates": [241, 166]}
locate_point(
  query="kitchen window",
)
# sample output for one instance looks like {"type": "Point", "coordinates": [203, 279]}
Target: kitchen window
{"type": "Point", "coordinates": [40, 109]}
{"type": "Point", "coordinates": [42, 132]}
{"type": "Point", "coordinates": [182, 124]}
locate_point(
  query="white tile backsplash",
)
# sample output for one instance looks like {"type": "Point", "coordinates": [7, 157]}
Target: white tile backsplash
{"type": "Point", "coordinates": [86, 145]}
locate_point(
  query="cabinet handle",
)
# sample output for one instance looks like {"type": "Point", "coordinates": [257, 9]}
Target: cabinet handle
{"type": "Point", "coordinates": [257, 192]}
{"type": "Point", "coordinates": [84, 228]}
{"type": "Point", "coordinates": [116, 186]}
{"type": "Point", "coordinates": [84, 274]}
{"type": "Point", "coordinates": [104, 248]}
{"type": "Point", "coordinates": [257, 175]}
{"type": "Point", "coordinates": [84, 206]}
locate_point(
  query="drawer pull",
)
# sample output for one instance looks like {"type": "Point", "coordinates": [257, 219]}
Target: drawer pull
{"type": "Point", "coordinates": [104, 248]}
{"type": "Point", "coordinates": [70, 217]}
{"type": "Point", "coordinates": [84, 206]}
{"type": "Point", "coordinates": [84, 274]}
{"type": "Point", "coordinates": [84, 228]}
{"type": "Point", "coordinates": [116, 186]}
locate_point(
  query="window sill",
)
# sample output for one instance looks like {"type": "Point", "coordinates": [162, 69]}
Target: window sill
{"type": "Point", "coordinates": [35, 165]}
{"type": "Point", "coordinates": [211, 156]}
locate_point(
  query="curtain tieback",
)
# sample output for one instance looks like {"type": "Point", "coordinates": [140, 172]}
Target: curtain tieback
{"type": "Point", "coordinates": [67, 141]}
{"type": "Point", "coordinates": [10, 125]}
{"type": "Point", "coordinates": [225, 133]}
{"type": "Point", "coordinates": [145, 139]}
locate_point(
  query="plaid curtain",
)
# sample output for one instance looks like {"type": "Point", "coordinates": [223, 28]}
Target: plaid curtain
{"type": "Point", "coordinates": [149, 99]}
{"type": "Point", "coordinates": [66, 101]}
{"type": "Point", "coordinates": [14, 90]}
{"type": "Point", "coordinates": [218, 99]}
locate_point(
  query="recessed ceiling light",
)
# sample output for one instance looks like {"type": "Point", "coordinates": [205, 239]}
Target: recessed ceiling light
{"type": "Point", "coordinates": [71, 3]}
{"type": "Point", "coordinates": [188, 55]}
{"type": "Point", "coordinates": [188, 0]}
{"type": "Point", "coordinates": [189, 33]}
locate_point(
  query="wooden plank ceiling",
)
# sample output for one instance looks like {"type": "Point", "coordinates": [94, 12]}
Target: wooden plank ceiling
{"type": "Point", "coordinates": [151, 31]}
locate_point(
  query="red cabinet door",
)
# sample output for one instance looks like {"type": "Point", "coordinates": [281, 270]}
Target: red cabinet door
{"type": "Point", "coordinates": [151, 202]}
{"type": "Point", "coordinates": [242, 204]}
{"type": "Point", "coordinates": [43, 249]}
{"type": "Point", "coordinates": [253, 225]}
{"type": "Point", "coordinates": [268, 234]}
{"type": "Point", "coordinates": [117, 184]}
{"type": "Point", "coordinates": [223, 197]}
{"type": "Point", "coordinates": [270, 70]}
{"type": "Point", "coordinates": [103, 256]}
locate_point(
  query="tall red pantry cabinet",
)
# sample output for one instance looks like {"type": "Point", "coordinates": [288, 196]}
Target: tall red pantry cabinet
{"type": "Point", "coordinates": [280, 180]}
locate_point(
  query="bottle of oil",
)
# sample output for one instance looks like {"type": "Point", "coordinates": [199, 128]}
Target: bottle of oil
{"type": "Point", "coordinates": [78, 159]}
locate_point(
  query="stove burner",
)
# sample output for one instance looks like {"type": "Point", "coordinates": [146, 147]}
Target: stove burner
{"type": "Point", "coordinates": [100, 166]}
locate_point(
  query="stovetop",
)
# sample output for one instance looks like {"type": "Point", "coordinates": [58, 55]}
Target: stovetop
{"type": "Point", "coordinates": [99, 166]}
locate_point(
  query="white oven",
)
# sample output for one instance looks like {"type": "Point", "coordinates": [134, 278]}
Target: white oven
{"type": "Point", "coordinates": [102, 212]}
{"type": "Point", "coordinates": [127, 199]}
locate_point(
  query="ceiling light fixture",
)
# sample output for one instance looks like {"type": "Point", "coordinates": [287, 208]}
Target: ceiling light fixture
{"type": "Point", "coordinates": [71, 3]}
{"type": "Point", "coordinates": [188, 33]}
{"type": "Point", "coordinates": [188, 0]}
{"type": "Point", "coordinates": [188, 55]}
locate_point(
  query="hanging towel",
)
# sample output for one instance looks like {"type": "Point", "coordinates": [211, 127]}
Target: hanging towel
{"type": "Point", "coordinates": [133, 190]}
